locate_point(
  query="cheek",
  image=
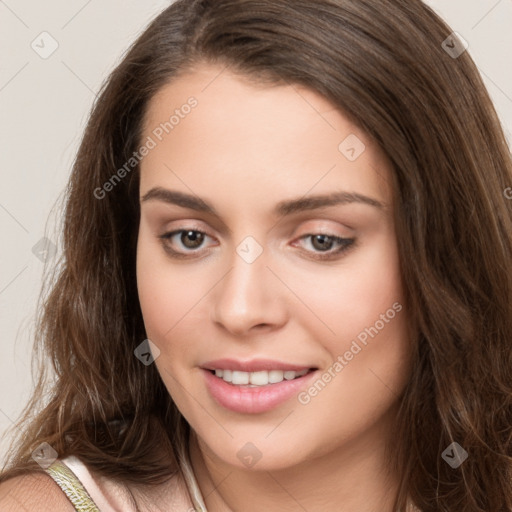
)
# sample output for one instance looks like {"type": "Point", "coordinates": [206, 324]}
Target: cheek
{"type": "Point", "coordinates": [363, 327]}
{"type": "Point", "coordinates": [371, 342]}
{"type": "Point", "coordinates": [355, 295]}
{"type": "Point", "coordinates": [170, 296]}
{"type": "Point", "coordinates": [159, 290]}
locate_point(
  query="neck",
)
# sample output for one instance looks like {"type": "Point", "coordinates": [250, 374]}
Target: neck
{"type": "Point", "coordinates": [351, 478]}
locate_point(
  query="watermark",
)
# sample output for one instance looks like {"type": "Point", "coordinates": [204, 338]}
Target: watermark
{"type": "Point", "coordinates": [454, 45]}
{"type": "Point", "coordinates": [44, 250]}
{"type": "Point", "coordinates": [352, 147]}
{"type": "Point", "coordinates": [508, 193]}
{"type": "Point", "coordinates": [249, 249]}
{"type": "Point", "coordinates": [151, 142]}
{"type": "Point", "coordinates": [249, 455]}
{"type": "Point", "coordinates": [304, 397]}
{"type": "Point", "coordinates": [454, 455]}
{"type": "Point", "coordinates": [44, 45]}
{"type": "Point", "coordinates": [147, 352]}
{"type": "Point", "coordinates": [45, 455]}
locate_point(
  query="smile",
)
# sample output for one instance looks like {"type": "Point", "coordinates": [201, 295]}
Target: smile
{"type": "Point", "coordinates": [260, 378]}
{"type": "Point", "coordinates": [251, 387]}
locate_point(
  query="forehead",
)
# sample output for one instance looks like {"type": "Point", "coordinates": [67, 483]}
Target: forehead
{"type": "Point", "coordinates": [225, 95]}
{"type": "Point", "coordinates": [273, 134]}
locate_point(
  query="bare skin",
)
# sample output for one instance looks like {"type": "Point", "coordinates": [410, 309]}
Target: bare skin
{"type": "Point", "coordinates": [38, 491]}
{"type": "Point", "coordinates": [243, 149]}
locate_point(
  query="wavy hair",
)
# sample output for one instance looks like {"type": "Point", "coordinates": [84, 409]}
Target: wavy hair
{"type": "Point", "coordinates": [384, 65]}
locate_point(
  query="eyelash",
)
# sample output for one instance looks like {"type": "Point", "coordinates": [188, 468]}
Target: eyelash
{"type": "Point", "coordinates": [345, 244]}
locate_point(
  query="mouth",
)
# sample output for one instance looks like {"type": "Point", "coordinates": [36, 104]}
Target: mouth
{"type": "Point", "coordinates": [259, 378]}
{"type": "Point", "coordinates": [256, 386]}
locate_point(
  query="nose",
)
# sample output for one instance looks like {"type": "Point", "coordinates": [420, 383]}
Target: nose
{"type": "Point", "coordinates": [249, 298]}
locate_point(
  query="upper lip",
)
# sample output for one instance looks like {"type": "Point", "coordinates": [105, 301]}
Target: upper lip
{"type": "Point", "coordinates": [253, 365]}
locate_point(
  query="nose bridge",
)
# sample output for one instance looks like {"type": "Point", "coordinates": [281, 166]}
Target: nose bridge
{"type": "Point", "coordinates": [246, 297]}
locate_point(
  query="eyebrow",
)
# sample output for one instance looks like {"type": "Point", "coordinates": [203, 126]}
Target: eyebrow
{"type": "Point", "coordinates": [282, 209]}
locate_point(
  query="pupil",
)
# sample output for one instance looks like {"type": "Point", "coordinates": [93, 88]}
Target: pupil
{"type": "Point", "coordinates": [195, 236]}
{"type": "Point", "coordinates": [323, 239]}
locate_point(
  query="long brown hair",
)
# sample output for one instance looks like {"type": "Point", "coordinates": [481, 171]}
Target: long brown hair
{"type": "Point", "coordinates": [383, 63]}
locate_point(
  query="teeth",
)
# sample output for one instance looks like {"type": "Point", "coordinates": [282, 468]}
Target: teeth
{"type": "Point", "coordinates": [275, 376]}
{"type": "Point", "coordinates": [240, 378]}
{"type": "Point", "coordinates": [261, 378]}
{"type": "Point", "coordinates": [258, 378]}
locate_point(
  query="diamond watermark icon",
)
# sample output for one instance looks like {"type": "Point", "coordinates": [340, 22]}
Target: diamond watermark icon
{"type": "Point", "coordinates": [44, 250]}
{"type": "Point", "coordinates": [249, 455]}
{"type": "Point", "coordinates": [454, 45]}
{"type": "Point", "coordinates": [352, 147]}
{"type": "Point", "coordinates": [44, 455]}
{"type": "Point", "coordinates": [249, 249]}
{"type": "Point", "coordinates": [44, 45]}
{"type": "Point", "coordinates": [147, 352]}
{"type": "Point", "coordinates": [455, 455]}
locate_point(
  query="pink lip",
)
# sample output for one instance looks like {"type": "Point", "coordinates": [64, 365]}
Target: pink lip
{"type": "Point", "coordinates": [254, 365]}
{"type": "Point", "coordinates": [253, 400]}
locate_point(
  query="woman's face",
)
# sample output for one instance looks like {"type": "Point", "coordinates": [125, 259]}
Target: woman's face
{"type": "Point", "coordinates": [266, 246]}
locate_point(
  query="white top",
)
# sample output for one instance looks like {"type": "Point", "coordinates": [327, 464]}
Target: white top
{"type": "Point", "coordinates": [121, 499]}
{"type": "Point", "coordinates": [105, 504]}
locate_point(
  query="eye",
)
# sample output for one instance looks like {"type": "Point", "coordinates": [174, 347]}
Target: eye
{"type": "Point", "coordinates": [189, 239]}
{"type": "Point", "coordinates": [323, 243]}
{"type": "Point", "coordinates": [192, 239]}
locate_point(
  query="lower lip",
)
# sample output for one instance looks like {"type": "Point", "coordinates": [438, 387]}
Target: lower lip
{"type": "Point", "coordinates": [252, 400]}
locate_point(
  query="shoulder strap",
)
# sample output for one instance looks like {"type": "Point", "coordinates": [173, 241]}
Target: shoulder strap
{"type": "Point", "coordinates": [72, 487]}
{"type": "Point", "coordinates": [190, 480]}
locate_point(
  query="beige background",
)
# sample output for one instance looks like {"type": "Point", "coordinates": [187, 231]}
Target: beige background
{"type": "Point", "coordinates": [43, 109]}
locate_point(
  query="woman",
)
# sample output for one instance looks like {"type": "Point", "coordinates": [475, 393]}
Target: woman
{"type": "Point", "coordinates": [287, 279]}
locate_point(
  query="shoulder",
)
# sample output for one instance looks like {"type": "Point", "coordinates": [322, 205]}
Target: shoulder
{"type": "Point", "coordinates": [33, 491]}
{"type": "Point", "coordinates": [118, 496]}
{"type": "Point", "coordinates": [39, 491]}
